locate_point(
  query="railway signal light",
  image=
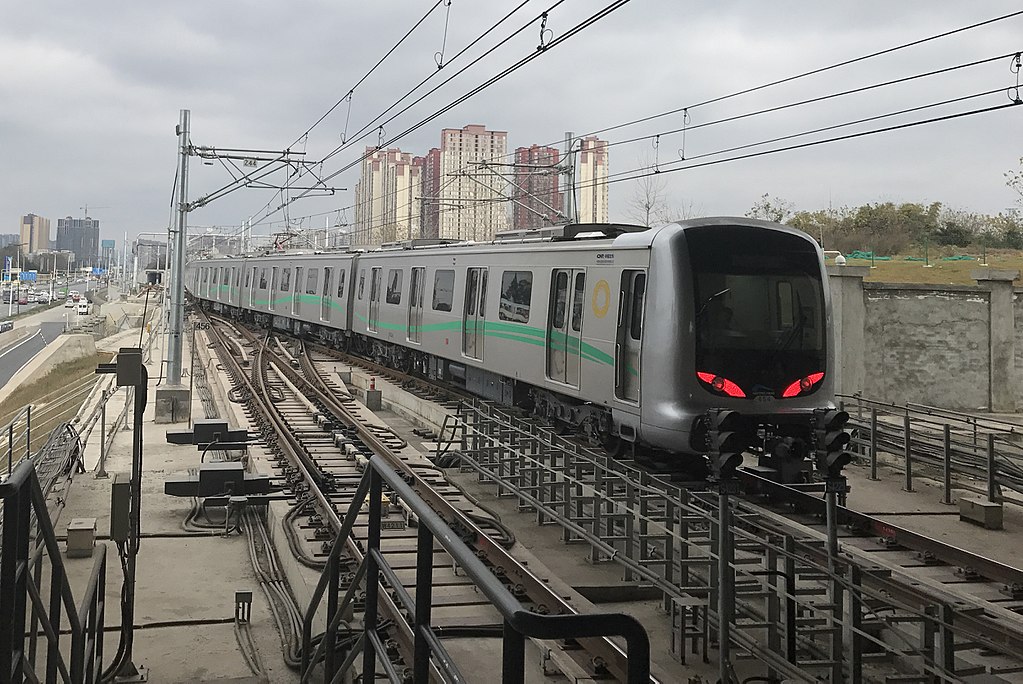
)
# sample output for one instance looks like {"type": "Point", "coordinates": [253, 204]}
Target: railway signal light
{"type": "Point", "coordinates": [728, 438]}
{"type": "Point", "coordinates": [832, 440]}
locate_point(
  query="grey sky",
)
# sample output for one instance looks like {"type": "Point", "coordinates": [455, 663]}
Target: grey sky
{"type": "Point", "coordinates": [91, 93]}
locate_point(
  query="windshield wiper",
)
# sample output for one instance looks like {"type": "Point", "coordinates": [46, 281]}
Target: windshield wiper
{"type": "Point", "coordinates": [706, 302]}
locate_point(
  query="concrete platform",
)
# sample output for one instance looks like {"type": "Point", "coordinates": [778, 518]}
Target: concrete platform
{"type": "Point", "coordinates": [186, 581]}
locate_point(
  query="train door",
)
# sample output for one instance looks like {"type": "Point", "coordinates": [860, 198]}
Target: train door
{"type": "Point", "coordinates": [474, 314]}
{"type": "Point", "coordinates": [328, 293]}
{"type": "Point", "coordinates": [565, 325]}
{"type": "Point", "coordinates": [415, 305]}
{"type": "Point", "coordinates": [374, 300]}
{"type": "Point", "coordinates": [296, 297]}
{"type": "Point", "coordinates": [630, 335]}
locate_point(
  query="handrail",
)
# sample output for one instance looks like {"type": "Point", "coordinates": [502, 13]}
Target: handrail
{"type": "Point", "coordinates": [519, 622]}
{"type": "Point", "coordinates": [26, 518]}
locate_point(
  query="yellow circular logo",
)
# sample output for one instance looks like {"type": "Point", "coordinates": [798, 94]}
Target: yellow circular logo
{"type": "Point", "coordinates": [601, 299]}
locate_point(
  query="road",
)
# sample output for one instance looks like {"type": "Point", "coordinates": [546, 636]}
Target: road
{"type": "Point", "coordinates": [17, 355]}
{"type": "Point", "coordinates": [7, 309]}
{"type": "Point", "coordinates": [51, 323]}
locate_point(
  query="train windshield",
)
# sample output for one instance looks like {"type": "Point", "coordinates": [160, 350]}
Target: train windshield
{"type": "Point", "coordinates": [760, 317]}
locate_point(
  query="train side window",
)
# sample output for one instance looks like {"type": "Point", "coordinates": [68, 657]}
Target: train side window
{"type": "Point", "coordinates": [374, 286]}
{"type": "Point", "coordinates": [237, 276]}
{"type": "Point", "coordinates": [560, 299]}
{"type": "Point", "coordinates": [470, 291]}
{"type": "Point", "coordinates": [328, 273]}
{"type": "Point", "coordinates": [310, 281]}
{"type": "Point", "coordinates": [443, 290]}
{"type": "Point", "coordinates": [394, 286]}
{"type": "Point", "coordinates": [262, 278]}
{"type": "Point", "coordinates": [577, 301]}
{"type": "Point", "coordinates": [362, 284]}
{"type": "Point", "coordinates": [784, 292]}
{"type": "Point", "coordinates": [248, 278]}
{"type": "Point", "coordinates": [341, 284]}
{"type": "Point", "coordinates": [638, 294]}
{"type": "Point", "coordinates": [215, 269]}
{"type": "Point", "coordinates": [516, 296]}
{"type": "Point", "coordinates": [286, 280]}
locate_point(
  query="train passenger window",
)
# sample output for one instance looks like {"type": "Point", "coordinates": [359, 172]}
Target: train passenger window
{"type": "Point", "coordinates": [638, 293]}
{"type": "Point", "coordinates": [341, 284]}
{"type": "Point", "coordinates": [262, 278]}
{"type": "Point", "coordinates": [577, 301]}
{"type": "Point", "coordinates": [286, 280]}
{"type": "Point", "coordinates": [394, 286]}
{"type": "Point", "coordinates": [560, 299]}
{"type": "Point", "coordinates": [215, 275]}
{"type": "Point", "coordinates": [237, 276]}
{"type": "Point", "coordinates": [443, 290]}
{"type": "Point", "coordinates": [470, 291]}
{"type": "Point", "coordinates": [362, 283]}
{"type": "Point", "coordinates": [328, 273]}
{"type": "Point", "coordinates": [248, 278]}
{"type": "Point", "coordinates": [516, 295]}
{"type": "Point", "coordinates": [310, 281]}
{"type": "Point", "coordinates": [374, 286]}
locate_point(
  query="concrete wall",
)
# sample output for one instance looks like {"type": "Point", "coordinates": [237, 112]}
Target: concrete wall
{"type": "Point", "coordinates": [957, 347]}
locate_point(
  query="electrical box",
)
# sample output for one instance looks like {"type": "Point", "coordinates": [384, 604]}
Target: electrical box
{"type": "Point", "coordinates": [81, 537]}
{"type": "Point", "coordinates": [120, 507]}
{"type": "Point", "coordinates": [129, 366]}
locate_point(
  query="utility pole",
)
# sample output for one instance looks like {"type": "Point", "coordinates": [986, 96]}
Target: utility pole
{"type": "Point", "coordinates": [177, 271]}
{"type": "Point", "coordinates": [571, 211]}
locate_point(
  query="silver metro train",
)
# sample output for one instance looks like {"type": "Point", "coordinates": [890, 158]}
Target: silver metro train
{"type": "Point", "coordinates": [630, 335]}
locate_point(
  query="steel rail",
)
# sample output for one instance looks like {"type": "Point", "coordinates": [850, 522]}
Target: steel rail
{"type": "Point", "coordinates": [539, 591]}
{"type": "Point", "coordinates": [403, 633]}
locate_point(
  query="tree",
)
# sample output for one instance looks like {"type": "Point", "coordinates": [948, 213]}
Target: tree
{"type": "Point", "coordinates": [650, 205]}
{"type": "Point", "coordinates": [1014, 179]}
{"type": "Point", "coordinates": [959, 228]}
{"type": "Point", "coordinates": [771, 209]}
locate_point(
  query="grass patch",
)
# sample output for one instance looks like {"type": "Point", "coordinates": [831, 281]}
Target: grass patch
{"type": "Point", "coordinates": [56, 396]}
{"type": "Point", "coordinates": [940, 272]}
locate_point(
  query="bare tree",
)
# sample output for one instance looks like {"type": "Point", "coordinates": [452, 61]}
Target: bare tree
{"type": "Point", "coordinates": [650, 203]}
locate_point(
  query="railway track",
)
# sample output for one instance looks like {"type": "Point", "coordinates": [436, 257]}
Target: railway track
{"type": "Point", "coordinates": [924, 608]}
{"type": "Point", "coordinates": [894, 606]}
{"type": "Point", "coordinates": [322, 440]}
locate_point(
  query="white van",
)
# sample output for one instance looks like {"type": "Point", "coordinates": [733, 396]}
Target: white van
{"type": "Point", "coordinates": [83, 308]}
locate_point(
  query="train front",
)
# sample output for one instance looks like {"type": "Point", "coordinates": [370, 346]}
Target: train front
{"type": "Point", "coordinates": [750, 331]}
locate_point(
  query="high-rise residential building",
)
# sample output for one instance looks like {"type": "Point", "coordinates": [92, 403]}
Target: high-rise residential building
{"type": "Point", "coordinates": [9, 239]}
{"type": "Point", "coordinates": [35, 234]}
{"type": "Point", "coordinates": [470, 199]}
{"type": "Point", "coordinates": [430, 197]}
{"type": "Point", "coordinates": [81, 236]}
{"type": "Point", "coordinates": [387, 200]}
{"type": "Point", "coordinates": [591, 180]}
{"type": "Point", "coordinates": [538, 203]}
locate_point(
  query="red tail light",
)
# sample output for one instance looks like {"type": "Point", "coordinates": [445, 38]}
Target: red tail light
{"type": "Point", "coordinates": [721, 384]}
{"type": "Point", "coordinates": [802, 385]}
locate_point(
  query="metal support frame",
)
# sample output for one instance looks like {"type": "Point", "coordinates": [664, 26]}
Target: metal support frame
{"type": "Point", "coordinates": [797, 608]}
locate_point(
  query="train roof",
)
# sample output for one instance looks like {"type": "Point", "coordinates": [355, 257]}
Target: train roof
{"type": "Point", "coordinates": [570, 238]}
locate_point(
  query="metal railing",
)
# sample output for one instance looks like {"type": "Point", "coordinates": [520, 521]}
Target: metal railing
{"type": "Point", "coordinates": [518, 622]}
{"type": "Point", "coordinates": [27, 538]}
{"type": "Point", "coordinates": [986, 451]}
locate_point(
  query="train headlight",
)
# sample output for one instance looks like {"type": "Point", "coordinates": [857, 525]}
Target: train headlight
{"type": "Point", "coordinates": [721, 384]}
{"type": "Point", "coordinates": [802, 385]}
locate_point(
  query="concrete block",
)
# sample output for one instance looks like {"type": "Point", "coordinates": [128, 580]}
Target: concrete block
{"type": "Point", "coordinates": [345, 376]}
{"type": "Point", "coordinates": [374, 400]}
{"type": "Point", "coordinates": [81, 537]}
{"type": "Point", "coordinates": [981, 512]}
{"type": "Point", "coordinates": [171, 404]}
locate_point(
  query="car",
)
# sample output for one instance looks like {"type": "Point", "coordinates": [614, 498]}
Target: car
{"type": "Point", "coordinates": [69, 304]}
{"type": "Point", "coordinates": [23, 300]}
